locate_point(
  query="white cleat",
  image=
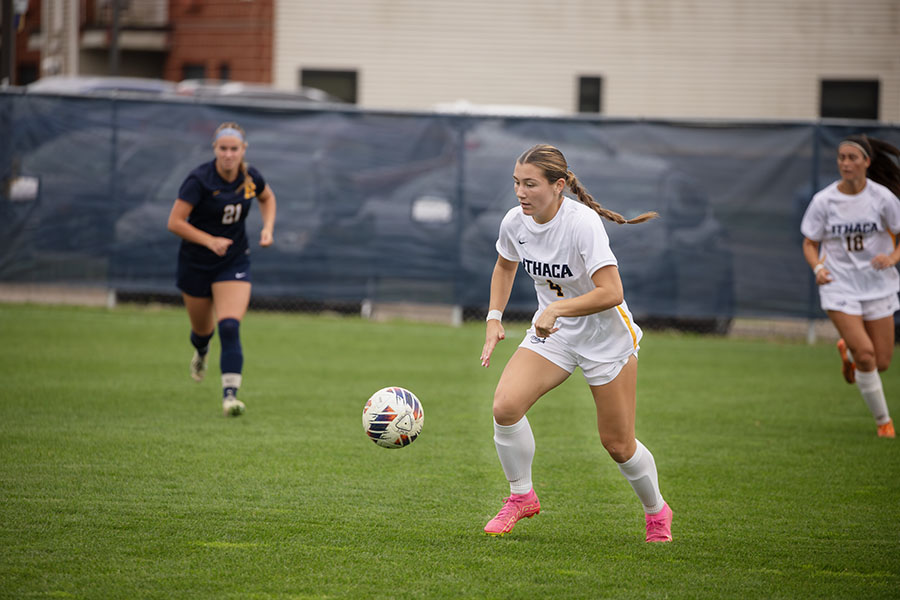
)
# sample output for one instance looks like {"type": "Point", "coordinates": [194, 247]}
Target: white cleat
{"type": "Point", "coordinates": [198, 366]}
{"type": "Point", "coordinates": [232, 407]}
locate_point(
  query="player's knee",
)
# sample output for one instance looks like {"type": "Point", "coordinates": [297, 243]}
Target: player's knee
{"type": "Point", "coordinates": [620, 448]}
{"type": "Point", "coordinates": [864, 359]}
{"type": "Point", "coordinates": [229, 329]}
{"type": "Point", "coordinates": [506, 410]}
{"type": "Point", "coordinates": [507, 415]}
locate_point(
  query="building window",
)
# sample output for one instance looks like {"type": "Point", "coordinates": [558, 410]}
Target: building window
{"type": "Point", "coordinates": [341, 84]}
{"type": "Point", "coordinates": [27, 73]}
{"type": "Point", "coordinates": [224, 72]}
{"type": "Point", "coordinates": [193, 71]}
{"type": "Point", "coordinates": [849, 99]}
{"type": "Point", "coordinates": [590, 94]}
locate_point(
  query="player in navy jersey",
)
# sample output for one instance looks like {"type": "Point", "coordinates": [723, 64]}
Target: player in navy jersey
{"type": "Point", "coordinates": [849, 242]}
{"type": "Point", "coordinates": [214, 258]}
{"type": "Point", "coordinates": [582, 321]}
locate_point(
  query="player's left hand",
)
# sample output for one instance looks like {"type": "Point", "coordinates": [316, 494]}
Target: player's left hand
{"type": "Point", "coordinates": [882, 261]}
{"type": "Point", "coordinates": [266, 238]}
{"type": "Point", "coordinates": [545, 324]}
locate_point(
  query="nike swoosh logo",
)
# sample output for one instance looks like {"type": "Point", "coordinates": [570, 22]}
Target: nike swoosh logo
{"type": "Point", "coordinates": [240, 275]}
{"type": "Point", "coordinates": [521, 242]}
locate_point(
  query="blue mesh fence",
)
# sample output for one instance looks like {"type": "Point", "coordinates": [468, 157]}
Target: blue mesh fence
{"type": "Point", "coordinates": [405, 207]}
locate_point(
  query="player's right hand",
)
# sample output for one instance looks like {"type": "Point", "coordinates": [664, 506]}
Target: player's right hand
{"type": "Point", "coordinates": [492, 337]}
{"type": "Point", "coordinates": [823, 277]}
{"type": "Point", "coordinates": [219, 245]}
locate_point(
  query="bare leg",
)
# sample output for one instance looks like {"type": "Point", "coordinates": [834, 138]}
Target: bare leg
{"type": "Point", "coordinates": [615, 403]}
{"type": "Point", "coordinates": [881, 332]}
{"type": "Point", "coordinates": [526, 377]}
{"type": "Point", "coordinates": [231, 299]}
{"type": "Point", "coordinates": [871, 343]}
{"type": "Point", "coordinates": [201, 314]}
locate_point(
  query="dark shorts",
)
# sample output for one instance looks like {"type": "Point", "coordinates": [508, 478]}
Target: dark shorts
{"type": "Point", "coordinates": [196, 280]}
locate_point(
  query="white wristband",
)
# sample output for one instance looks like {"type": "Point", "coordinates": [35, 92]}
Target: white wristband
{"type": "Point", "coordinates": [818, 268]}
{"type": "Point", "coordinates": [494, 314]}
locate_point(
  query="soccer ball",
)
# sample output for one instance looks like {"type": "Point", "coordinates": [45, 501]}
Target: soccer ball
{"type": "Point", "coordinates": [393, 417]}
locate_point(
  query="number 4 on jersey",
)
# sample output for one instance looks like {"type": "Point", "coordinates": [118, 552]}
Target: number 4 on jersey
{"type": "Point", "coordinates": [556, 288]}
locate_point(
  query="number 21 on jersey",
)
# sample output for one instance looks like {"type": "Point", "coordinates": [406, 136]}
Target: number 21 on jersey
{"type": "Point", "coordinates": [231, 214]}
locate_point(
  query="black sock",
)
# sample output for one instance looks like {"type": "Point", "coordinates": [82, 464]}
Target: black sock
{"type": "Point", "coordinates": [201, 342]}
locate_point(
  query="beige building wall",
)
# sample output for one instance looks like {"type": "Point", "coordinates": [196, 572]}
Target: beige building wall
{"type": "Point", "coordinates": [59, 37]}
{"type": "Point", "coordinates": [658, 58]}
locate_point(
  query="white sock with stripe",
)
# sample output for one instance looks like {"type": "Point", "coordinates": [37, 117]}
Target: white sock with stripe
{"type": "Point", "coordinates": [640, 471]}
{"type": "Point", "coordinates": [231, 383]}
{"type": "Point", "coordinates": [515, 447]}
{"type": "Point", "coordinates": [869, 384]}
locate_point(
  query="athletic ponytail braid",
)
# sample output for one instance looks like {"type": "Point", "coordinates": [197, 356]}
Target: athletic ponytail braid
{"type": "Point", "coordinates": [585, 198]}
{"type": "Point", "coordinates": [551, 161]}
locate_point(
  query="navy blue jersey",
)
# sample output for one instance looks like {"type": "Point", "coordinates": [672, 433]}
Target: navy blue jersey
{"type": "Point", "coordinates": [220, 209]}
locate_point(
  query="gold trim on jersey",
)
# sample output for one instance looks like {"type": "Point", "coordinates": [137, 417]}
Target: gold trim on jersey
{"type": "Point", "coordinates": [249, 187]}
{"type": "Point", "coordinates": [628, 325]}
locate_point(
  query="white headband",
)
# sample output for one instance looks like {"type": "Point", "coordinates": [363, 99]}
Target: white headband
{"type": "Point", "coordinates": [855, 145]}
{"type": "Point", "coordinates": [229, 131]}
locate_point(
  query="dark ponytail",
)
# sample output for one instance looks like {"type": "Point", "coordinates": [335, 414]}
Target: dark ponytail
{"type": "Point", "coordinates": [885, 157]}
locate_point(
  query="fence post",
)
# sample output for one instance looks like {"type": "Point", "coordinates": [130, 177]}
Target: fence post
{"type": "Point", "coordinates": [811, 278]}
{"type": "Point", "coordinates": [460, 211]}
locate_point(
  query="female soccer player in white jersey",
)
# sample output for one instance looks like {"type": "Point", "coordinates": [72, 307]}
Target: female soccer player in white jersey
{"type": "Point", "coordinates": [582, 321]}
{"type": "Point", "coordinates": [214, 258]}
{"type": "Point", "coordinates": [848, 242]}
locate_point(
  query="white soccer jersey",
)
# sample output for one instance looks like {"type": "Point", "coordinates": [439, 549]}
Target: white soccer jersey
{"type": "Point", "coordinates": [561, 256]}
{"type": "Point", "coordinates": [852, 230]}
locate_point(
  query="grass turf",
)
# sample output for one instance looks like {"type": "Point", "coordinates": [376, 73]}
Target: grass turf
{"type": "Point", "coordinates": [121, 479]}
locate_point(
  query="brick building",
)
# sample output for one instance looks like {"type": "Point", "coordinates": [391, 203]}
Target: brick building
{"type": "Point", "coordinates": [27, 53]}
{"type": "Point", "coordinates": [220, 39]}
{"type": "Point", "coordinates": [166, 39]}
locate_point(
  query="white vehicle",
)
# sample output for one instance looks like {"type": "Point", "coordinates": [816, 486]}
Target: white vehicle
{"type": "Point", "coordinates": [86, 84]}
{"type": "Point", "coordinates": [213, 88]}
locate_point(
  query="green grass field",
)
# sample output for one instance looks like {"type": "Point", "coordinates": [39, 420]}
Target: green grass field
{"type": "Point", "coordinates": [121, 479]}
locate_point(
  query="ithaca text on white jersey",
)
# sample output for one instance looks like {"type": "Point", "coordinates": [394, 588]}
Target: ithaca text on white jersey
{"type": "Point", "coordinates": [852, 230]}
{"type": "Point", "coordinates": [561, 255]}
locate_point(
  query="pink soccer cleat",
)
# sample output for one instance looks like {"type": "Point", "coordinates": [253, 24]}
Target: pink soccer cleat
{"type": "Point", "coordinates": [659, 526]}
{"type": "Point", "coordinates": [517, 506]}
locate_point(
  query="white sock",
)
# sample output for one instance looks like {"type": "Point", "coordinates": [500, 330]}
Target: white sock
{"type": "Point", "coordinates": [515, 447]}
{"type": "Point", "coordinates": [869, 384]}
{"type": "Point", "coordinates": [231, 382]}
{"type": "Point", "coordinates": [640, 471]}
